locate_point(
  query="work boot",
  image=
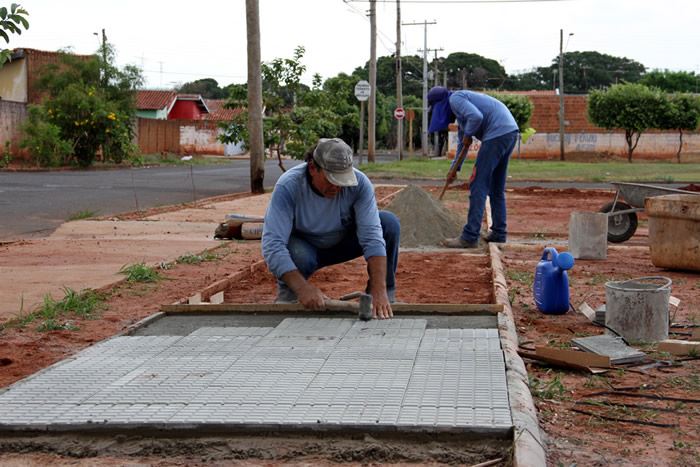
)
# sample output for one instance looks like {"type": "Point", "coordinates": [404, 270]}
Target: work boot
{"type": "Point", "coordinates": [285, 296]}
{"type": "Point", "coordinates": [459, 242]}
{"type": "Point", "coordinates": [490, 237]}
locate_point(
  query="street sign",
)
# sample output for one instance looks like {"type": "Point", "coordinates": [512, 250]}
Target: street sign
{"type": "Point", "coordinates": [399, 113]}
{"type": "Point", "coordinates": [362, 90]}
{"type": "Point", "coordinates": [410, 114]}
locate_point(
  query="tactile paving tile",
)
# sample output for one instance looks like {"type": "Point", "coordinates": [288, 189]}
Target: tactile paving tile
{"type": "Point", "coordinates": [306, 372]}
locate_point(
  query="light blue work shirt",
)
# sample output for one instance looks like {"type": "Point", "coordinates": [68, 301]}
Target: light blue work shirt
{"type": "Point", "coordinates": [480, 116]}
{"type": "Point", "coordinates": [296, 209]}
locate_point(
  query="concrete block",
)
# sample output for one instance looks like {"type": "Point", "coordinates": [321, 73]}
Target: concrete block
{"type": "Point", "coordinates": [588, 235]}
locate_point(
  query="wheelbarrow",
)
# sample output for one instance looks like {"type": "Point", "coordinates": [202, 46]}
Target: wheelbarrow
{"type": "Point", "coordinates": [629, 200]}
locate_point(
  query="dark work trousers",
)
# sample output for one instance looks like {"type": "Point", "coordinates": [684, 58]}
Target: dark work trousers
{"type": "Point", "coordinates": [310, 259]}
{"type": "Point", "coordinates": [489, 179]}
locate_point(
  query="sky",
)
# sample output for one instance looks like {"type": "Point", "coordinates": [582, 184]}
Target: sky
{"type": "Point", "coordinates": [176, 41]}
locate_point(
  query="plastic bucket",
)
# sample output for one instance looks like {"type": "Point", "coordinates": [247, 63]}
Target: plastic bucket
{"type": "Point", "coordinates": [638, 308]}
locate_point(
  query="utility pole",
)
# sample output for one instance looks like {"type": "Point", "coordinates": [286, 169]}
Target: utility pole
{"type": "Point", "coordinates": [255, 123]}
{"type": "Point", "coordinates": [561, 95]}
{"type": "Point", "coordinates": [105, 79]}
{"type": "Point", "coordinates": [424, 130]}
{"type": "Point", "coordinates": [399, 78]}
{"type": "Point", "coordinates": [372, 108]}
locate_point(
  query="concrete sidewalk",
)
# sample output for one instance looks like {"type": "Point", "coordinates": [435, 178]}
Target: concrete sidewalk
{"type": "Point", "coordinates": [89, 253]}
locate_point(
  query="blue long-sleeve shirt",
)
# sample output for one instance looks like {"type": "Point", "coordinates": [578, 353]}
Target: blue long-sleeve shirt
{"type": "Point", "coordinates": [295, 208]}
{"type": "Point", "coordinates": [480, 116]}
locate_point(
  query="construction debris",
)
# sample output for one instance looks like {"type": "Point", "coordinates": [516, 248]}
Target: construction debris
{"type": "Point", "coordinates": [610, 346]}
{"type": "Point", "coordinates": [678, 347]}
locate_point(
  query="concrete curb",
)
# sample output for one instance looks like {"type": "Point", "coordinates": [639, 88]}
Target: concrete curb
{"type": "Point", "coordinates": [528, 449]}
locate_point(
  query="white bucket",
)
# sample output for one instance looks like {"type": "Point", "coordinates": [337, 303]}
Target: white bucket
{"type": "Point", "coordinates": [638, 308]}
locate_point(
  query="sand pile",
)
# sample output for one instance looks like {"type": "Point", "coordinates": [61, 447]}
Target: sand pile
{"type": "Point", "coordinates": [424, 220]}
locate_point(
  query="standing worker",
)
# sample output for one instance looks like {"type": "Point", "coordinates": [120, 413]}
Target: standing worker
{"type": "Point", "coordinates": [490, 121]}
{"type": "Point", "coordinates": [324, 212]}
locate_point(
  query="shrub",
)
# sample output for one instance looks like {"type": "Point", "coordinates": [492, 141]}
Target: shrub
{"type": "Point", "coordinates": [43, 139]}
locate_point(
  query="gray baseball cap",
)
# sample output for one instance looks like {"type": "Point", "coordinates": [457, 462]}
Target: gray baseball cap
{"type": "Point", "coordinates": [335, 158]}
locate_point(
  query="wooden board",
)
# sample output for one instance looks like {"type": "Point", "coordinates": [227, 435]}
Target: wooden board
{"type": "Point", "coordinates": [678, 347]}
{"type": "Point", "coordinates": [398, 308]}
{"type": "Point", "coordinates": [696, 334]}
{"type": "Point", "coordinates": [575, 357]}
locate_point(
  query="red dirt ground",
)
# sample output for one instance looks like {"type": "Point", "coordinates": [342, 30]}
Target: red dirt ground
{"type": "Point", "coordinates": [570, 437]}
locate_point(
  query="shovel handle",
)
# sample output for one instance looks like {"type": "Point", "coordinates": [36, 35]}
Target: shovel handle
{"type": "Point", "coordinates": [453, 170]}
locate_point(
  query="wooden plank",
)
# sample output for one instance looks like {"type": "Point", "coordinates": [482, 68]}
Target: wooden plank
{"type": "Point", "coordinates": [696, 335]}
{"type": "Point", "coordinates": [398, 308]}
{"type": "Point", "coordinates": [678, 347]}
{"type": "Point", "coordinates": [557, 363]}
{"type": "Point", "coordinates": [575, 357]}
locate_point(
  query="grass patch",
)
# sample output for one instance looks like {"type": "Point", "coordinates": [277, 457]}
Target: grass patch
{"type": "Point", "coordinates": [51, 314]}
{"type": "Point", "coordinates": [175, 159]}
{"type": "Point", "coordinates": [139, 272]}
{"type": "Point", "coordinates": [519, 169]}
{"type": "Point", "coordinates": [524, 277]}
{"type": "Point", "coordinates": [197, 259]}
{"type": "Point", "coordinates": [84, 214]}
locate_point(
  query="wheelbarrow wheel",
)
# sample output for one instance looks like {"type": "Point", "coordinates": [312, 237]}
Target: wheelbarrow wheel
{"type": "Point", "coordinates": [621, 226]}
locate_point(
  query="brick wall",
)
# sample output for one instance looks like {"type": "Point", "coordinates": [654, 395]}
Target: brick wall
{"type": "Point", "coordinates": [545, 116]}
{"type": "Point", "coordinates": [583, 139]}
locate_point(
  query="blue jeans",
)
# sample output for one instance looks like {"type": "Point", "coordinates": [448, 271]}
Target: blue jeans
{"type": "Point", "coordinates": [489, 179]}
{"type": "Point", "coordinates": [310, 259]}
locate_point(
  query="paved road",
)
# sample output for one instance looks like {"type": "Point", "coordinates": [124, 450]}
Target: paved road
{"type": "Point", "coordinates": [35, 203]}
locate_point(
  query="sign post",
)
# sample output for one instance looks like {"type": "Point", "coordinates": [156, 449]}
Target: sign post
{"type": "Point", "coordinates": [362, 92]}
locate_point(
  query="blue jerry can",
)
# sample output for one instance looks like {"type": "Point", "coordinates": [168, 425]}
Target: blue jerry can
{"type": "Point", "coordinates": [551, 286]}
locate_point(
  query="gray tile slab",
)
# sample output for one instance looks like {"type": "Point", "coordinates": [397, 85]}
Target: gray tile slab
{"type": "Point", "coordinates": [305, 372]}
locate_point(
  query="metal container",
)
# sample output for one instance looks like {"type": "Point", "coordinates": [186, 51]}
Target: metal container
{"type": "Point", "coordinates": [674, 231]}
{"type": "Point", "coordinates": [637, 309]}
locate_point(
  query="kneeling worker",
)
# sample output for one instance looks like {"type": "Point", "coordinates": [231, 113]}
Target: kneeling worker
{"type": "Point", "coordinates": [324, 212]}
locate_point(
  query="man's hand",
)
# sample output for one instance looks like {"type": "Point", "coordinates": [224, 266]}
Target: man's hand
{"type": "Point", "coordinates": [381, 308]}
{"type": "Point", "coordinates": [309, 295]}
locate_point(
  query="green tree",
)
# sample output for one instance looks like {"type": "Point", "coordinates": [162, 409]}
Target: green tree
{"type": "Point", "coordinates": [633, 108]}
{"type": "Point", "coordinates": [208, 88]}
{"type": "Point", "coordinates": [475, 71]}
{"type": "Point", "coordinates": [520, 106]}
{"type": "Point", "coordinates": [11, 22]}
{"type": "Point", "coordinates": [583, 71]}
{"type": "Point", "coordinates": [681, 114]}
{"type": "Point", "coordinates": [91, 102]}
{"type": "Point", "coordinates": [296, 116]}
{"type": "Point", "coordinates": [672, 81]}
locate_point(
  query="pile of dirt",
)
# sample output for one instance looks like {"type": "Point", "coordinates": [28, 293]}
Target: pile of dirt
{"type": "Point", "coordinates": [424, 221]}
{"type": "Point", "coordinates": [691, 187]}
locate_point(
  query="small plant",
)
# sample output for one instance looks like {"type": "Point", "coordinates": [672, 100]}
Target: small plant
{"type": "Point", "coordinates": [553, 389]}
{"type": "Point", "coordinates": [139, 272]}
{"type": "Point", "coordinates": [84, 214]}
{"type": "Point", "coordinates": [196, 259]}
{"type": "Point", "coordinates": [539, 235]}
